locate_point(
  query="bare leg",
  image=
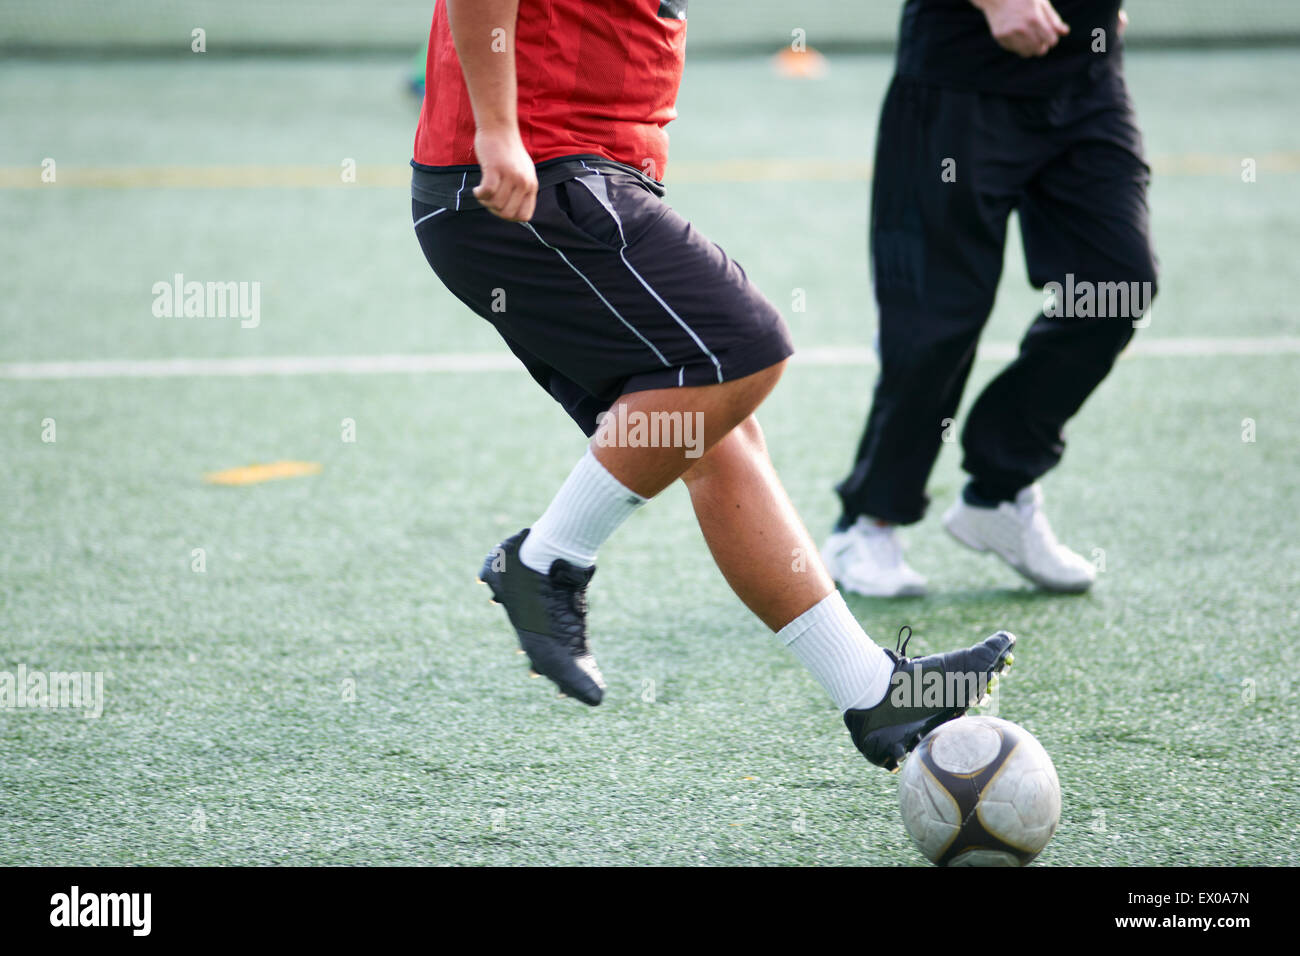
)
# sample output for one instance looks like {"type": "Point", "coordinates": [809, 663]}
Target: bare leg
{"type": "Point", "coordinates": [650, 439]}
{"type": "Point", "coordinates": [751, 527]}
{"type": "Point", "coordinates": [758, 542]}
{"type": "Point", "coordinates": [753, 531]}
{"type": "Point", "coordinates": [756, 537]}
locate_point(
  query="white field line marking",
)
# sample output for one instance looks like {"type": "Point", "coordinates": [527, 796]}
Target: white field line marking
{"type": "Point", "coordinates": [504, 361]}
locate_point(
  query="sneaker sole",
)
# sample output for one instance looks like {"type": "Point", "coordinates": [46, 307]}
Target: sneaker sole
{"type": "Point", "coordinates": [908, 591]}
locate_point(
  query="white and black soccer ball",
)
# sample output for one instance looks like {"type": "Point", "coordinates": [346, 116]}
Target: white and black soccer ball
{"type": "Point", "coordinates": [979, 791]}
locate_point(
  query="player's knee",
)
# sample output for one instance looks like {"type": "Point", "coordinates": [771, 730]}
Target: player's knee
{"type": "Point", "coordinates": [1144, 280]}
{"type": "Point", "coordinates": [1126, 304]}
{"type": "Point", "coordinates": [1151, 278]}
{"type": "Point", "coordinates": [738, 449]}
{"type": "Point", "coordinates": [1125, 292]}
{"type": "Point", "coordinates": [749, 435]}
{"type": "Point", "coordinates": [1151, 284]}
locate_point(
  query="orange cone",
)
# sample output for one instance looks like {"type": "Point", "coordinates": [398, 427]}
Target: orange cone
{"type": "Point", "coordinates": [802, 64]}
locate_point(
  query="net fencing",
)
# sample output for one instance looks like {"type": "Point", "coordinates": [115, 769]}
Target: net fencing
{"type": "Point", "coordinates": [162, 26]}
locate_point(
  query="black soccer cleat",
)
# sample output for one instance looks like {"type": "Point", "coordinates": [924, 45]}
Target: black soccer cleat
{"type": "Point", "coordinates": [925, 692]}
{"type": "Point", "coordinates": [549, 613]}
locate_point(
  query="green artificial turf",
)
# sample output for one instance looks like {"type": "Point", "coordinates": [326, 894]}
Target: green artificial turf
{"type": "Point", "coordinates": [335, 688]}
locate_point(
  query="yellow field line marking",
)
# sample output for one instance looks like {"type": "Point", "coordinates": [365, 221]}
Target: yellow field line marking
{"type": "Point", "coordinates": [256, 474]}
{"type": "Point", "coordinates": [399, 175]}
{"type": "Point", "coordinates": [201, 177]}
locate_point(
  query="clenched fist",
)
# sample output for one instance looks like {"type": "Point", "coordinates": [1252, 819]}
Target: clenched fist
{"type": "Point", "coordinates": [1025, 27]}
{"type": "Point", "coordinates": [509, 185]}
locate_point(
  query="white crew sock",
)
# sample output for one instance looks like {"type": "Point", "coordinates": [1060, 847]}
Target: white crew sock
{"type": "Point", "coordinates": [829, 641]}
{"type": "Point", "coordinates": [584, 512]}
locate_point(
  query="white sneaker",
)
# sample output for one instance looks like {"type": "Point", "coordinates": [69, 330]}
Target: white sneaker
{"type": "Point", "coordinates": [1018, 533]}
{"type": "Point", "coordinates": [867, 559]}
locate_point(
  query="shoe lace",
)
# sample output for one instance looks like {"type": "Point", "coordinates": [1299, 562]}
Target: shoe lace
{"type": "Point", "coordinates": [900, 643]}
{"type": "Point", "coordinates": [569, 605]}
{"type": "Point", "coordinates": [578, 602]}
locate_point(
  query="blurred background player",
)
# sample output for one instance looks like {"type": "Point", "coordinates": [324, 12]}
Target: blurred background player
{"type": "Point", "coordinates": [995, 105]}
{"type": "Point", "coordinates": [415, 73]}
{"type": "Point", "coordinates": [537, 201]}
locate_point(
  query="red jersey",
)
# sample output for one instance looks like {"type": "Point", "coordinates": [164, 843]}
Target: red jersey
{"type": "Point", "coordinates": [593, 78]}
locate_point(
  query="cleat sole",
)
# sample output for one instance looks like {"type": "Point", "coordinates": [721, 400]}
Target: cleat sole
{"type": "Point", "coordinates": [492, 594]}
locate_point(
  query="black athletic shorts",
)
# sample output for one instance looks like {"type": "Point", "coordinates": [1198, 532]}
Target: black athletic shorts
{"type": "Point", "coordinates": [606, 291]}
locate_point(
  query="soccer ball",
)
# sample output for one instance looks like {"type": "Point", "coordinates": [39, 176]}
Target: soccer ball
{"type": "Point", "coordinates": [979, 791]}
